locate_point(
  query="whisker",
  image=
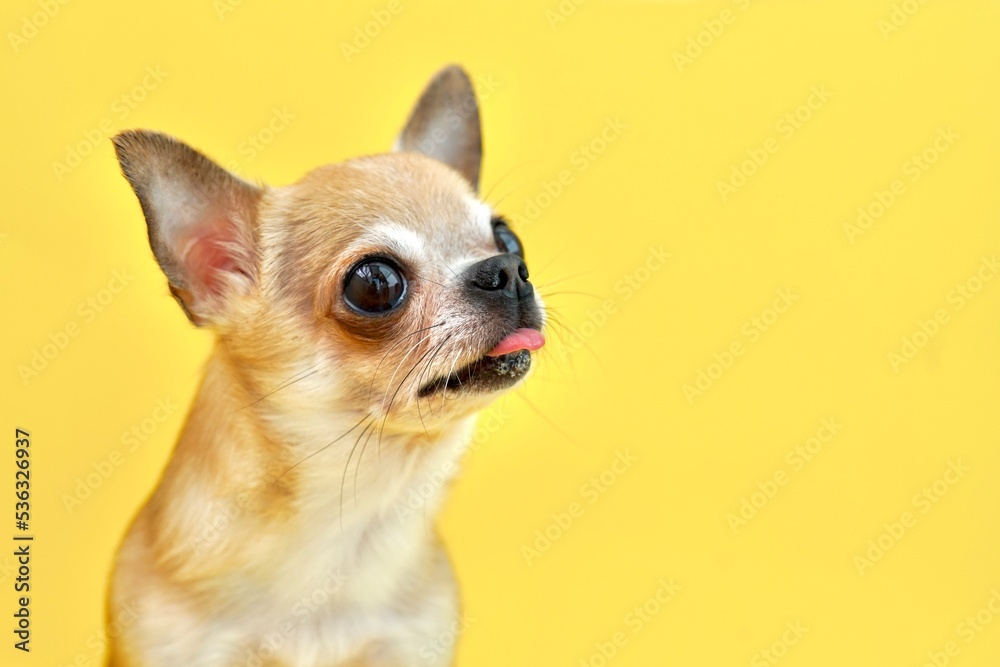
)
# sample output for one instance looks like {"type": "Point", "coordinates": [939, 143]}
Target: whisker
{"type": "Point", "coordinates": [385, 418]}
{"type": "Point", "coordinates": [428, 280]}
{"type": "Point", "coordinates": [338, 438]}
{"type": "Point", "coordinates": [496, 204]}
{"type": "Point", "coordinates": [358, 467]}
{"type": "Point", "coordinates": [392, 377]}
{"type": "Point", "coordinates": [347, 465]}
{"type": "Point", "coordinates": [420, 377]}
{"type": "Point", "coordinates": [566, 336]}
{"type": "Point", "coordinates": [549, 295]}
{"type": "Point", "coordinates": [394, 346]}
{"type": "Point", "coordinates": [557, 320]}
{"type": "Point", "coordinates": [500, 180]}
{"type": "Point", "coordinates": [568, 376]}
{"type": "Point", "coordinates": [552, 261]}
{"type": "Point", "coordinates": [301, 375]}
{"type": "Point", "coordinates": [563, 279]}
{"type": "Point", "coordinates": [444, 390]}
{"type": "Point", "coordinates": [555, 326]}
{"type": "Point", "coordinates": [547, 420]}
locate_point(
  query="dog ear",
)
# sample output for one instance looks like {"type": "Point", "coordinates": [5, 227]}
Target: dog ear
{"type": "Point", "coordinates": [444, 124]}
{"type": "Point", "coordinates": [200, 220]}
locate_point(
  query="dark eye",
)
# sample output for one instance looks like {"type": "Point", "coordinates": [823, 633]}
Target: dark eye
{"type": "Point", "coordinates": [374, 286]}
{"type": "Point", "coordinates": [507, 240]}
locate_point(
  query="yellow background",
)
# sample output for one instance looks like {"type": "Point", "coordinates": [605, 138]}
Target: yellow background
{"type": "Point", "coordinates": [684, 126]}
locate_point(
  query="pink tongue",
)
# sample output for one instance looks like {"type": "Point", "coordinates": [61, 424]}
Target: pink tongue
{"type": "Point", "coordinates": [522, 339]}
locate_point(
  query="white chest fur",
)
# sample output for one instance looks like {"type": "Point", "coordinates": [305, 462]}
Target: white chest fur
{"type": "Point", "coordinates": [352, 578]}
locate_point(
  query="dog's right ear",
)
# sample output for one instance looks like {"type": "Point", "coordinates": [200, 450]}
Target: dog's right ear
{"type": "Point", "coordinates": [201, 221]}
{"type": "Point", "coordinates": [445, 124]}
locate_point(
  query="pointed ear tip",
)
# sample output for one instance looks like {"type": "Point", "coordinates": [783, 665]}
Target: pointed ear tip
{"type": "Point", "coordinates": [453, 71]}
{"type": "Point", "coordinates": [122, 142]}
{"type": "Point", "coordinates": [138, 136]}
{"type": "Point", "coordinates": [121, 139]}
{"type": "Point", "coordinates": [127, 141]}
{"type": "Point", "coordinates": [455, 68]}
{"type": "Point", "coordinates": [131, 134]}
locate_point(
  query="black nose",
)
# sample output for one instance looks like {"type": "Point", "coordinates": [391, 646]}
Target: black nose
{"type": "Point", "coordinates": [506, 274]}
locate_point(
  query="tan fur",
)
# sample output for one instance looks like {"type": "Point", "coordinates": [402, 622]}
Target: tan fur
{"type": "Point", "coordinates": [289, 479]}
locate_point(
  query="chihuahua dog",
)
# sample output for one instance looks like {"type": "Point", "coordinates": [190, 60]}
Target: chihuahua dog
{"type": "Point", "coordinates": [362, 316]}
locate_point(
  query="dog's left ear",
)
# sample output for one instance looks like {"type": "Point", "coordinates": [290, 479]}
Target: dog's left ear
{"type": "Point", "coordinates": [444, 124]}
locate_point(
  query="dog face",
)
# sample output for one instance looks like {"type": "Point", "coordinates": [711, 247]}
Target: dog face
{"type": "Point", "coordinates": [381, 286]}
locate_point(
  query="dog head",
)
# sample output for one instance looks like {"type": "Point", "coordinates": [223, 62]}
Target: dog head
{"type": "Point", "coordinates": [381, 286]}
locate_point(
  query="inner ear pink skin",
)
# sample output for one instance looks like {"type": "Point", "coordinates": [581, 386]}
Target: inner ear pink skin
{"type": "Point", "coordinates": [208, 255]}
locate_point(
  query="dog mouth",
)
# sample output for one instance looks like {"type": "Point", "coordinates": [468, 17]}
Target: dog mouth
{"type": "Point", "coordinates": [506, 363]}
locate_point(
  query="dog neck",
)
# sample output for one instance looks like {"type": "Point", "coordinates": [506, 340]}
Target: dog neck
{"type": "Point", "coordinates": [238, 485]}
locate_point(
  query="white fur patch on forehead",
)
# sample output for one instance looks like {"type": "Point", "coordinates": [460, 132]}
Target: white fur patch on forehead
{"type": "Point", "coordinates": [481, 216]}
{"type": "Point", "coordinates": [481, 212]}
{"type": "Point", "coordinates": [398, 239]}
